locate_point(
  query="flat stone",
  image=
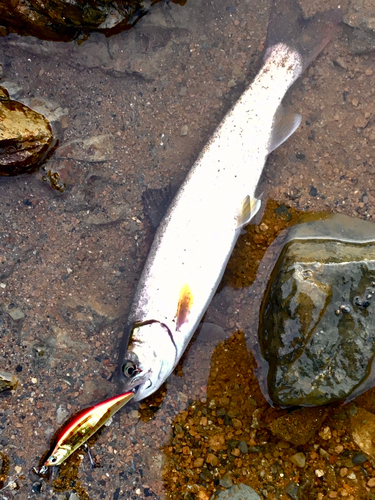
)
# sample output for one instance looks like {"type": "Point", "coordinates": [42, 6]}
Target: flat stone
{"type": "Point", "coordinates": [237, 492]}
{"type": "Point", "coordinates": [93, 149]}
{"type": "Point", "coordinates": [363, 430]}
{"type": "Point", "coordinates": [226, 481]}
{"type": "Point", "coordinates": [359, 458]}
{"type": "Point", "coordinates": [16, 314]}
{"type": "Point", "coordinates": [299, 426]}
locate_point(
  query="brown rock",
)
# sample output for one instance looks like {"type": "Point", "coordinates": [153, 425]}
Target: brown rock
{"type": "Point", "coordinates": [299, 426]}
{"type": "Point", "coordinates": [25, 136]}
{"type": "Point", "coordinates": [7, 381]}
{"type": "Point", "coordinates": [65, 20]}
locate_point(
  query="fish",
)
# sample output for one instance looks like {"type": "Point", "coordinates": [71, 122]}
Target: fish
{"type": "Point", "coordinates": [81, 427]}
{"type": "Point", "coordinates": [195, 239]}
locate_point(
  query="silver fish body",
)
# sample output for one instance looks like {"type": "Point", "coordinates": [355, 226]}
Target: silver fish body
{"type": "Point", "coordinates": [196, 237]}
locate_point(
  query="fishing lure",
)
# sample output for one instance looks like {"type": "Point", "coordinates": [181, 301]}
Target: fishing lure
{"type": "Point", "coordinates": [84, 425]}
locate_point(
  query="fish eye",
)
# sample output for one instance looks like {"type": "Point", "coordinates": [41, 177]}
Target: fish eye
{"type": "Point", "coordinates": [129, 369]}
{"type": "Point", "coordinates": [53, 459]}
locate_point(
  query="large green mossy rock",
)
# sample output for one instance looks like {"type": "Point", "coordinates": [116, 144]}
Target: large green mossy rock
{"type": "Point", "coordinates": [317, 322]}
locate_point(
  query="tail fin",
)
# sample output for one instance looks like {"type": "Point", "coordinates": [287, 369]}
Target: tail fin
{"type": "Point", "coordinates": [307, 36]}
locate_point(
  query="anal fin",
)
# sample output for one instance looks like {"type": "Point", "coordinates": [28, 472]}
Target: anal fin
{"type": "Point", "coordinates": [156, 202]}
{"type": "Point", "coordinates": [249, 208]}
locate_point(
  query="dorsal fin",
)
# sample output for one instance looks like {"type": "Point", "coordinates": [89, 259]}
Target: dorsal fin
{"type": "Point", "coordinates": [285, 123]}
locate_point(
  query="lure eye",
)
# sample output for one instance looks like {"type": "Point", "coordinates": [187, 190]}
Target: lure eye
{"type": "Point", "coordinates": [53, 459]}
{"type": "Point", "coordinates": [129, 369]}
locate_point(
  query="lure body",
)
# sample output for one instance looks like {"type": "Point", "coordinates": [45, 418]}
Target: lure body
{"type": "Point", "coordinates": [83, 426]}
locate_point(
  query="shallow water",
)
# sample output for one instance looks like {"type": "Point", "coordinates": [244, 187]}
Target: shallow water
{"type": "Point", "coordinates": [70, 262]}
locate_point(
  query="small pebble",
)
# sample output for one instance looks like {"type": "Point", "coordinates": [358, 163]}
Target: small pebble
{"type": "Point", "coordinates": [369, 72]}
{"type": "Point", "coordinates": [359, 458]}
{"type": "Point", "coordinates": [202, 495]}
{"type": "Point", "coordinates": [325, 433]}
{"type": "Point", "coordinates": [216, 442]}
{"type": "Point", "coordinates": [343, 471]}
{"type": "Point", "coordinates": [360, 122]}
{"type": "Point", "coordinates": [298, 459]}
{"type": "Point", "coordinates": [226, 481]}
{"type": "Point", "coordinates": [237, 424]}
{"type": "Point", "coordinates": [182, 397]}
{"type": "Point", "coordinates": [212, 459]}
{"type": "Point", "coordinates": [292, 490]}
{"type": "Point", "coordinates": [224, 401]}
{"type": "Point", "coordinates": [61, 414]}
{"type": "Point", "coordinates": [319, 472]}
{"type": "Point", "coordinates": [371, 482]}
{"type": "Point", "coordinates": [37, 487]}
{"type": "Point", "coordinates": [243, 447]}
{"type": "Point", "coordinates": [184, 130]}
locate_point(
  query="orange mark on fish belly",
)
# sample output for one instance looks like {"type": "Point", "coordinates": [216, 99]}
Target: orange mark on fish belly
{"type": "Point", "coordinates": [184, 306]}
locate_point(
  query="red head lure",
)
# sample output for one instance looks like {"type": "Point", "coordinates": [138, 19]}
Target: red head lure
{"type": "Point", "coordinates": [83, 426]}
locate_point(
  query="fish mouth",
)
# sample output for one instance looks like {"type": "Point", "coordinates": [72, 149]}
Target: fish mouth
{"type": "Point", "coordinates": [138, 381]}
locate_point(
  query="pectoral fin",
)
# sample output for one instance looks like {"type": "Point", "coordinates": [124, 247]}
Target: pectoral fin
{"type": "Point", "coordinates": [184, 306]}
{"type": "Point", "coordinates": [248, 210]}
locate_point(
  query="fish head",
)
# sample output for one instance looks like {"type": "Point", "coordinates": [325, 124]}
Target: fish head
{"type": "Point", "coordinates": [58, 455]}
{"type": "Point", "coordinates": [149, 359]}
